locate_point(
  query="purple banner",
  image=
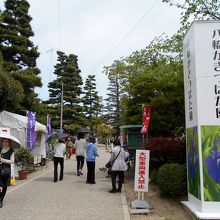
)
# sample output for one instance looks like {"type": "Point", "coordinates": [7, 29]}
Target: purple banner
{"type": "Point", "coordinates": [31, 135]}
{"type": "Point", "coordinates": [49, 127]}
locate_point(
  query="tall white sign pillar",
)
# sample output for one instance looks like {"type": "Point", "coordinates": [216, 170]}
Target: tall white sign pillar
{"type": "Point", "coordinates": [202, 111]}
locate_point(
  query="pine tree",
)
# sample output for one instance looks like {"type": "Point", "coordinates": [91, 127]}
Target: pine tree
{"type": "Point", "coordinates": [68, 73]}
{"type": "Point", "coordinates": [113, 106]}
{"type": "Point", "coordinates": [18, 51]}
{"type": "Point", "coordinates": [92, 102]}
{"type": "Point", "coordinates": [9, 99]}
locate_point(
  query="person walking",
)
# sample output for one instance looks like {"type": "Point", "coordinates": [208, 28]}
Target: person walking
{"type": "Point", "coordinates": [69, 146]}
{"type": "Point", "coordinates": [118, 166]}
{"type": "Point", "coordinates": [59, 151]}
{"type": "Point", "coordinates": [6, 159]}
{"type": "Point", "coordinates": [80, 146]}
{"type": "Point", "coordinates": [91, 154]}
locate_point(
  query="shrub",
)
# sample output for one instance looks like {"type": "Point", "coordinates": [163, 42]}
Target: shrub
{"type": "Point", "coordinates": [154, 176]}
{"type": "Point", "coordinates": [23, 158]}
{"type": "Point", "coordinates": [166, 150]}
{"type": "Point", "coordinates": [172, 180]}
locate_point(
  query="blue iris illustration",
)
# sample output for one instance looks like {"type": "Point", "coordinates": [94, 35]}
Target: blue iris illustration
{"type": "Point", "coordinates": [213, 163]}
{"type": "Point", "coordinates": [193, 161]}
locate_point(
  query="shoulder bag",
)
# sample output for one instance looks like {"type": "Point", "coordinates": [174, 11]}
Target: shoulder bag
{"type": "Point", "coordinates": [110, 168]}
{"type": "Point", "coordinates": [4, 170]}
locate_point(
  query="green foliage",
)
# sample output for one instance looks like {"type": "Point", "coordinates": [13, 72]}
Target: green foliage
{"type": "Point", "coordinates": [68, 72]}
{"type": "Point", "coordinates": [92, 103]}
{"type": "Point", "coordinates": [172, 180]}
{"type": "Point", "coordinates": [9, 99]}
{"type": "Point", "coordinates": [154, 176]}
{"type": "Point", "coordinates": [199, 10]}
{"type": "Point", "coordinates": [115, 93]}
{"type": "Point", "coordinates": [19, 53]}
{"type": "Point", "coordinates": [104, 130]}
{"type": "Point", "coordinates": [154, 76]}
{"type": "Point", "coordinates": [23, 158]}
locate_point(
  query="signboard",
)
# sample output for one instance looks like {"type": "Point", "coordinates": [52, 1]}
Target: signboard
{"type": "Point", "coordinates": [141, 171]}
{"type": "Point", "coordinates": [202, 112]}
{"type": "Point", "coordinates": [31, 135]}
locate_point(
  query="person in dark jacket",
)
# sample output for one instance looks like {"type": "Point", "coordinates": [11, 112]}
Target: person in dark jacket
{"type": "Point", "coordinates": [91, 154]}
{"type": "Point", "coordinates": [6, 159]}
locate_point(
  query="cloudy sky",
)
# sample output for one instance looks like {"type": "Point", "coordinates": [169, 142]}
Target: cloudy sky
{"type": "Point", "coordinates": [92, 28]}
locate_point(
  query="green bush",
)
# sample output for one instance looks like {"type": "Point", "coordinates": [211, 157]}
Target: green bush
{"type": "Point", "coordinates": [23, 158]}
{"type": "Point", "coordinates": [154, 176]}
{"type": "Point", "coordinates": [172, 180]}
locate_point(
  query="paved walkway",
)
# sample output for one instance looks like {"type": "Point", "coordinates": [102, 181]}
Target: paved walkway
{"type": "Point", "coordinates": [72, 198]}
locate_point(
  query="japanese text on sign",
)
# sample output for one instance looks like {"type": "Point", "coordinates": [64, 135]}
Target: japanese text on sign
{"type": "Point", "coordinates": [142, 170]}
{"type": "Point", "coordinates": [216, 67]}
{"type": "Point", "coordinates": [189, 82]}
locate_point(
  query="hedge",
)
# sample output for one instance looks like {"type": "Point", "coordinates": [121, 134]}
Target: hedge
{"type": "Point", "coordinates": [172, 180]}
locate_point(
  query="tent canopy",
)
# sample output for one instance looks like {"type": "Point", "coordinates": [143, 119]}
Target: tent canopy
{"type": "Point", "coordinates": [12, 120]}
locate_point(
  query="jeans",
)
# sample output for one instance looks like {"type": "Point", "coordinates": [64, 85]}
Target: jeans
{"type": "Point", "coordinates": [59, 160]}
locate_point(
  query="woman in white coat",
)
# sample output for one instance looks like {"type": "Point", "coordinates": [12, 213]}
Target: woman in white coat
{"type": "Point", "coordinates": [118, 166]}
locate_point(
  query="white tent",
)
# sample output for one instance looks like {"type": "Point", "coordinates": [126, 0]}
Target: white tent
{"type": "Point", "coordinates": [18, 128]}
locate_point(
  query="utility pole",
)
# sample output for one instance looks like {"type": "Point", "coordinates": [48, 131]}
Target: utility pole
{"type": "Point", "coordinates": [51, 60]}
{"type": "Point", "coordinates": [61, 110]}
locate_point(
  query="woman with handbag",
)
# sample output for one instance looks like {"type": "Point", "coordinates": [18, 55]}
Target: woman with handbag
{"type": "Point", "coordinates": [118, 166]}
{"type": "Point", "coordinates": [6, 159]}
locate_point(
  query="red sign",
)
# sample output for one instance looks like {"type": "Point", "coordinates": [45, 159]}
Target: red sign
{"type": "Point", "coordinates": [146, 119]}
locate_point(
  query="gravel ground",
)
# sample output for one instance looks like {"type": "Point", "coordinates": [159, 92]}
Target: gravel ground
{"type": "Point", "coordinates": [162, 208]}
{"type": "Point", "coordinates": [72, 198]}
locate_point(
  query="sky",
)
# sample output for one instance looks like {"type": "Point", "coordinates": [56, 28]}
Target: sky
{"type": "Point", "coordinates": [90, 29]}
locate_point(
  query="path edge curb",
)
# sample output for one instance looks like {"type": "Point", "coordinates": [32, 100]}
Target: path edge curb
{"type": "Point", "coordinates": [125, 206]}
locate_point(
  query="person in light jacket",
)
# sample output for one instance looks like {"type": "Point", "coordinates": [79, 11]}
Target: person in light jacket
{"type": "Point", "coordinates": [59, 151]}
{"type": "Point", "coordinates": [91, 154]}
{"type": "Point", "coordinates": [80, 146]}
{"type": "Point", "coordinates": [118, 166]}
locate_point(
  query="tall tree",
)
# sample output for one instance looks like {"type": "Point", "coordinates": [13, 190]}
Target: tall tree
{"type": "Point", "coordinates": [115, 94]}
{"type": "Point", "coordinates": [197, 9]}
{"type": "Point", "coordinates": [68, 73]}
{"type": "Point", "coordinates": [154, 76]}
{"type": "Point", "coordinates": [9, 99]}
{"type": "Point", "coordinates": [91, 101]}
{"type": "Point", "coordinates": [18, 51]}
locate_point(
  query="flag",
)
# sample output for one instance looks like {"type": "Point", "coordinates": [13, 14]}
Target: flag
{"type": "Point", "coordinates": [49, 127]}
{"type": "Point", "coordinates": [146, 119]}
{"type": "Point", "coordinates": [31, 135]}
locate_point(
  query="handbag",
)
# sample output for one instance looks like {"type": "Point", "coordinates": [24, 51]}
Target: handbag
{"type": "Point", "coordinates": [12, 181]}
{"type": "Point", "coordinates": [4, 171]}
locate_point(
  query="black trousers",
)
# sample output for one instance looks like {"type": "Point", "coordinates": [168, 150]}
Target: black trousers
{"type": "Point", "coordinates": [4, 181]}
{"type": "Point", "coordinates": [57, 160]}
{"type": "Point", "coordinates": [80, 162]}
{"type": "Point", "coordinates": [90, 172]}
{"type": "Point", "coordinates": [114, 175]}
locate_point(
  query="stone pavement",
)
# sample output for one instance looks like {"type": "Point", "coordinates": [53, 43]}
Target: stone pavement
{"type": "Point", "coordinates": [72, 198]}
